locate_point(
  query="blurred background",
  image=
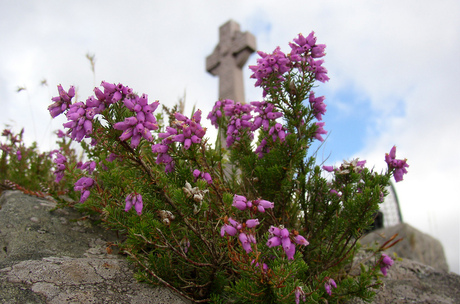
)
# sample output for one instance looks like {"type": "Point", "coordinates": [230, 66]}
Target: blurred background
{"type": "Point", "coordinates": [394, 69]}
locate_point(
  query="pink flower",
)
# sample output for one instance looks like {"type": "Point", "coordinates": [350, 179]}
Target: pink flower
{"type": "Point", "coordinates": [135, 200]}
{"type": "Point", "coordinates": [281, 236]}
{"type": "Point", "coordinates": [328, 168]}
{"type": "Point", "coordinates": [320, 131]}
{"type": "Point", "coordinates": [317, 105]}
{"type": "Point", "coordinates": [398, 165]}
{"type": "Point", "coordinates": [328, 286]}
{"type": "Point", "coordinates": [239, 202]}
{"type": "Point", "coordinates": [252, 223]}
{"type": "Point", "coordinates": [299, 293]}
{"type": "Point", "coordinates": [385, 263]}
{"type": "Point", "coordinates": [301, 240]}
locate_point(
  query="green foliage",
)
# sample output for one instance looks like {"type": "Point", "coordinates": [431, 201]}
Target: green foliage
{"type": "Point", "coordinates": [187, 230]}
{"type": "Point", "coordinates": [28, 167]}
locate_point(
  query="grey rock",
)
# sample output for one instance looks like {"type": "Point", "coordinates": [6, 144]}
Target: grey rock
{"type": "Point", "coordinates": [412, 282]}
{"type": "Point", "coordinates": [51, 256]}
{"type": "Point", "coordinates": [416, 246]}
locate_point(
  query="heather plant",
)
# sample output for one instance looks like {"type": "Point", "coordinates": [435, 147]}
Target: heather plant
{"type": "Point", "coordinates": [259, 221]}
{"type": "Point", "coordinates": [32, 170]}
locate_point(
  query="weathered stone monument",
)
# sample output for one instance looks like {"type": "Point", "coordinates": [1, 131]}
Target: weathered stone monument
{"type": "Point", "coordinates": [228, 59]}
{"type": "Point", "coordinates": [390, 208]}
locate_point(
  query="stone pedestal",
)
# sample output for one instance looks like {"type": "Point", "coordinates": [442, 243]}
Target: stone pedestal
{"type": "Point", "coordinates": [416, 245]}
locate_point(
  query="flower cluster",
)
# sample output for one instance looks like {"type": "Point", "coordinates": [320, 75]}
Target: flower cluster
{"type": "Point", "coordinates": [317, 105]}
{"type": "Point", "coordinates": [266, 113]}
{"type": "Point", "coordinates": [216, 112]}
{"type": "Point", "coordinates": [270, 67]}
{"type": "Point", "coordinates": [83, 185]}
{"type": "Point", "coordinates": [281, 236]}
{"type": "Point", "coordinates": [385, 263]}
{"type": "Point", "coordinates": [184, 130]}
{"type": "Point", "coordinates": [299, 294]}
{"type": "Point", "coordinates": [142, 123]}
{"type": "Point", "coordinates": [328, 286]}
{"type": "Point", "coordinates": [61, 102]}
{"type": "Point", "coordinates": [398, 165]}
{"type": "Point", "coordinates": [232, 227]}
{"type": "Point", "coordinates": [81, 114]}
{"type": "Point", "coordinates": [60, 162]}
{"type": "Point", "coordinates": [240, 202]}
{"type": "Point", "coordinates": [204, 175]}
{"type": "Point", "coordinates": [162, 149]}
{"type": "Point", "coordinates": [319, 131]}
{"type": "Point", "coordinates": [304, 50]}
{"type": "Point", "coordinates": [80, 121]}
{"type": "Point", "coordinates": [112, 92]}
{"type": "Point", "coordinates": [134, 199]}
{"type": "Point", "coordinates": [89, 166]}
{"type": "Point", "coordinates": [240, 120]}
{"type": "Point", "coordinates": [189, 130]}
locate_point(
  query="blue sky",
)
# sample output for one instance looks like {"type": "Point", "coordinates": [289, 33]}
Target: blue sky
{"type": "Point", "coordinates": [394, 70]}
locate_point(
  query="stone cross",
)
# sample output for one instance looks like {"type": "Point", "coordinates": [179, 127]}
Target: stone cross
{"type": "Point", "coordinates": [228, 59]}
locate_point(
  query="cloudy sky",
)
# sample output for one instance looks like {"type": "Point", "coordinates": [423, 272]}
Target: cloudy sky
{"type": "Point", "coordinates": [394, 69]}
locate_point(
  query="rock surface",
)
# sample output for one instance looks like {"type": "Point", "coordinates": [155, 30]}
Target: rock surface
{"type": "Point", "coordinates": [55, 257]}
{"type": "Point", "coordinates": [412, 282]}
{"type": "Point", "coordinates": [416, 245]}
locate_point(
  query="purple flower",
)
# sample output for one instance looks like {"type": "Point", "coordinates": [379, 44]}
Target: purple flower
{"type": "Point", "coordinates": [183, 130]}
{"type": "Point", "coordinates": [239, 202]}
{"type": "Point", "coordinates": [141, 123]}
{"type": "Point", "coordinates": [317, 105]}
{"type": "Point", "coordinates": [228, 229]}
{"type": "Point", "coordinates": [134, 199]}
{"type": "Point", "coordinates": [274, 241]}
{"type": "Point", "coordinates": [398, 165]}
{"type": "Point", "coordinates": [204, 175]}
{"type": "Point", "coordinates": [301, 240]}
{"type": "Point", "coordinates": [328, 168]}
{"type": "Point", "coordinates": [262, 148]}
{"type": "Point", "coordinates": [216, 114]}
{"type": "Point", "coordinates": [257, 266]}
{"type": "Point", "coordinates": [83, 185]}
{"type": "Point", "coordinates": [261, 205]}
{"type": "Point", "coordinates": [299, 293]}
{"type": "Point", "coordinates": [239, 122]}
{"type": "Point", "coordinates": [19, 155]}
{"type": "Point", "coordinates": [246, 242]}
{"type": "Point", "coordinates": [252, 223]}
{"type": "Point", "coordinates": [60, 134]}
{"type": "Point", "coordinates": [281, 236]}
{"type": "Point", "coordinates": [270, 68]}
{"type": "Point", "coordinates": [328, 286]}
{"type": "Point", "coordinates": [319, 131]}
{"type": "Point", "coordinates": [78, 123]}
{"type": "Point", "coordinates": [60, 162]}
{"type": "Point", "coordinates": [265, 111]}
{"type": "Point", "coordinates": [61, 102]}
{"type": "Point", "coordinates": [385, 263]}
{"type": "Point", "coordinates": [278, 131]}
{"type": "Point", "coordinates": [89, 166]}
